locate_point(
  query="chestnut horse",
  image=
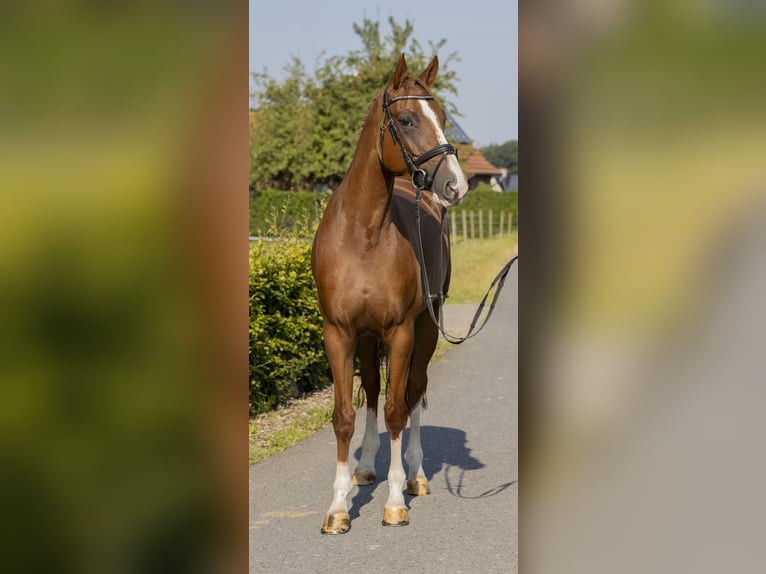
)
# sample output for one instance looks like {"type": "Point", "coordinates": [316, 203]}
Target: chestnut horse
{"type": "Point", "coordinates": [366, 263]}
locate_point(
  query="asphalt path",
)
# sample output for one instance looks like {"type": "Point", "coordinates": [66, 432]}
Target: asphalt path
{"type": "Point", "coordinates": [469, 522]}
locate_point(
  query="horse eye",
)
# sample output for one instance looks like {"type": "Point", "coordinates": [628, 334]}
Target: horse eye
{"type": "Point", "coordinates": [406, 121]}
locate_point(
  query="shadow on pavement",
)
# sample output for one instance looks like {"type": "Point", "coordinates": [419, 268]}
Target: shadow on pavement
{"type": "Point", "coordinates": [443, 447]}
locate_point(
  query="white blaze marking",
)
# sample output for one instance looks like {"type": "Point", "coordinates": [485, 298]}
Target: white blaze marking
{"type": "Point", "coordinates": [451, 162]}
{"type": "Point", "coordinates": [431, 116]}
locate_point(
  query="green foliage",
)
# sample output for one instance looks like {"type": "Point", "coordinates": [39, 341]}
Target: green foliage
{"type": "Point", "coordinates": [285, 211]}
{"type": "Point", "coordinates": [480, 202]}
{"type": "Point", "coordinates": [287, 355]}
{"type": "Point", "coordinates": [484, 198]}
{"type": "Point", "coordinates": [299, 211]}
{"type": "Point", "coordinates": [305, 128]}
{"type": "Point", "coordinates": [503, 155]}
{"type": "Point", "coordinates": [280, 131]}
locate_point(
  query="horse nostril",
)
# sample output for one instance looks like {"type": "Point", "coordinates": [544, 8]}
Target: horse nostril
{"type": "Point", "coordinates": [451, 189]}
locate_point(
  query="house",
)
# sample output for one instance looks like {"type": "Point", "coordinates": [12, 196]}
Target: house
{"type": "Point", "coordinates": [476, 167]}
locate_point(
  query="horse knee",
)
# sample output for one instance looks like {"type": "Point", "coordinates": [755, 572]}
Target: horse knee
{"type": "Point", "coordinates": [343, 422]}
{"type": "Point", "coordinates": [396, 418]}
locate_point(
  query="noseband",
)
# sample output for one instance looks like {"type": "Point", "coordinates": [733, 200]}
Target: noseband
{"type": "Point", "coordinates": [420, 178]}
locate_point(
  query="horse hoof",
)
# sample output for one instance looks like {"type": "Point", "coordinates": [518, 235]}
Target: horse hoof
{"type": "Point", "coordinates": [363, 477]}
{"type": "Point", "coordinates": [336, 523]}
{"type": "Point", "coordinates": [418, 486]}
{"type": "Point", "coordinates": [395, 516]}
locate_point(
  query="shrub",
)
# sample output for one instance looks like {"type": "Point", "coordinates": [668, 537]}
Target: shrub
{"type": "Point", "coordinates": [292, 210]}
{"type": "Point", "coordinates": [286, 211]}
{"type": "Point", "coordinates": [485, 198]}
{"type": "Point", "coordinates": [287, 356]}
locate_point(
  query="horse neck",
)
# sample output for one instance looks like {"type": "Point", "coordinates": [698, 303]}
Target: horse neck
{"type": "Point", "coordinates": [367, 187]}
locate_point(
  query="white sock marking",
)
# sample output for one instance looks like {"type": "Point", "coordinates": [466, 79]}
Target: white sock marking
{"type": "Point", "coordinates": [341, 487]}
{"type": "Point", "coordinates": [395, 476]}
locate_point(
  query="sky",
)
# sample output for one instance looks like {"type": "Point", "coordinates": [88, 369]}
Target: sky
{"type": "Point", "coordinates": [484, 33]}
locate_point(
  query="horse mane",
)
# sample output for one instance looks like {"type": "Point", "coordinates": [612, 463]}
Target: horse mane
{"type": "Point", "coordinates": [367, 114]}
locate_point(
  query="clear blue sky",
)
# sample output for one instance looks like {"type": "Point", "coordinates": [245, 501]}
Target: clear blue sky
{"type": "Point", "coordinates": [484, 33]}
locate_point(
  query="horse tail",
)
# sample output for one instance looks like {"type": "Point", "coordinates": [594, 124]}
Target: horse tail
{"type": "Point", "coordinates": [383, 364]}
{"type": "Point", "coordinates": [360, 396]}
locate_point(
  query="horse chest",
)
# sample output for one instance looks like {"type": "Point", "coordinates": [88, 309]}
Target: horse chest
{"type": "Point", "coordinates": [372, 290]}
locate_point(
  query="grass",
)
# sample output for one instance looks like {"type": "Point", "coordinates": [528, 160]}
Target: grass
{"type": "Point", "coordinates": [269, 435]}
{"type": "Point", "coordinates": [273, 432]}
{"type": "Point", "coordinates": [475, 264]}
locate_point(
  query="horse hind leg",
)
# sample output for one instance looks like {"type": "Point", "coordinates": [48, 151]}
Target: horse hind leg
{"type": "Point", "coordinates": [417, 483]}
{"type": "Point", "coordinates": [426, 337]}
{"type": "Point", "coordinates": [367, 351]}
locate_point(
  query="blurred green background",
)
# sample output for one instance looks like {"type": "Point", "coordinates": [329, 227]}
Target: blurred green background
{"type": "Point", "coordinates": [105, 418]}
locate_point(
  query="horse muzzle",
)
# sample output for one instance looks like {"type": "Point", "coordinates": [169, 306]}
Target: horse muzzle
{"type": "Point", "coordinates": [450, 185]}
{"type": "Point", "coordinates": [452, 194]}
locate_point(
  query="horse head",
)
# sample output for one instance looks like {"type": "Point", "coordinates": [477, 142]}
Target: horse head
{"type": "Point", "coordinates": [412, 135]}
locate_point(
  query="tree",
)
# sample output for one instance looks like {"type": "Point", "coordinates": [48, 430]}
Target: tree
{"type": "Point", "coordinates": [503, 155]}
{"type": "Point", "coordinates": [279, 129]}
{"type": "Point", "coordinates": [306, 128]}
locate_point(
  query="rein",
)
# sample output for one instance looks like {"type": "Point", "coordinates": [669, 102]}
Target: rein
{"type": "Point", "coordinates": [421, 180]}
{"type": "Point", "coordinates": [499, 280]}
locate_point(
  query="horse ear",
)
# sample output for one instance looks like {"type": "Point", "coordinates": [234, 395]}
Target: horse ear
{"type": "Point", "coordinates": [429, 74]}
{"type": "Point", "coordinates": [399, 73]}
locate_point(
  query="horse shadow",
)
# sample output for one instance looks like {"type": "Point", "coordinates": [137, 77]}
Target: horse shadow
{"type": "Point", "coordinates": [443, 448]}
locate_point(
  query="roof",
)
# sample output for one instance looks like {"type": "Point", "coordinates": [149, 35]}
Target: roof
{"type": "Point", "coordinates": [477, 164]}
{"type": "Point", "coordinates": [454, 132]}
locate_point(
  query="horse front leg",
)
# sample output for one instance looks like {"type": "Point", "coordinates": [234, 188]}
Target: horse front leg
{"type": "Point", "coordinates": [400, 350]}
{"type": "Point", "coordinates": [339, 347]}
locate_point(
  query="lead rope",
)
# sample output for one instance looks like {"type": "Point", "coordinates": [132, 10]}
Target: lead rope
{"type": "Point", "coordinates": [499, 280]}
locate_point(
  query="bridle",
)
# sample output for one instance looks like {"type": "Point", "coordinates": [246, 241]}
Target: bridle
{"type": "Point", "coordinates": [420, 178]}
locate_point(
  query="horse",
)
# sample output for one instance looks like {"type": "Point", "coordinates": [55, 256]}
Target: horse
{"type": "Point", "coordinates": [367, 264]}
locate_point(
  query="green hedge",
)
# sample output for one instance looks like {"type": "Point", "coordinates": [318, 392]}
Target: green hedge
{"type": "Point", "coordinates": [289, 211]}
{"type": "Point", "coordinates": [293, 210]}
{"type": "Point", "coordinates": [481, 201]}
{"type": "Point", "coordinates": [287, 357]}
{"type": "Point", "coordinates": [484, 198]}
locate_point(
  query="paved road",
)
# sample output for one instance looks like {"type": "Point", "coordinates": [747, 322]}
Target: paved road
{"type": "Point", "coordinates": [469, 522]}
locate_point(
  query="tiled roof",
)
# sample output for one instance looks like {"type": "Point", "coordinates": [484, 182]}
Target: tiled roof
{"type": "Point", "coordinates": [477, 164]}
